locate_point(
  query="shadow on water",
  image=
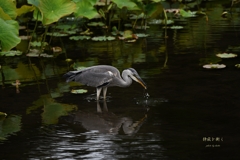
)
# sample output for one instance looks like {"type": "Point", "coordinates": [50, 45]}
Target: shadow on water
{"type": "Point", "coordinates": [189, 113]}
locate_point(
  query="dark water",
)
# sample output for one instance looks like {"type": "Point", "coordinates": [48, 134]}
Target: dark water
{"type": "Point", "coordinates": [191, 113]}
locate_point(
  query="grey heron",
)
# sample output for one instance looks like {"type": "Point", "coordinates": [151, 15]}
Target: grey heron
{"type": "Point", "coordinates": [104, 76]}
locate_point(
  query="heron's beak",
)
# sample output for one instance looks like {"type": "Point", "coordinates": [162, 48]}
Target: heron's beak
{"type": "Point", "coordinates": [138, 79]}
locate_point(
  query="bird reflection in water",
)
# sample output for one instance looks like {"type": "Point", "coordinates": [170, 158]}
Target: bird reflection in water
{"type": "Point", "coordinates": [107, 122]}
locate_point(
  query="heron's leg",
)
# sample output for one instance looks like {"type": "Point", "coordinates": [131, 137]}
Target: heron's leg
{"type": "Point", "coordinates": [98, 93]}
{"type": "Point", "coordinates": [104, 93]}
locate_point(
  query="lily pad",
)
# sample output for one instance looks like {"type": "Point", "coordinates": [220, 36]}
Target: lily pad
{"type": "Point", "coordinates": [103, 38]}
{"type": "Point", "coordinates": [76, 38]}
{"type": "Point", "coordinates": [78, 91]}
{"type": "Point", "coordinates": [38, 44]}
{"type": "Point", "coordinates": [96, 24]}
{"type": "Point", "coordinates": [226, 55]}
{"type": "Point", "coordinates": [142, 35]}
{"type": "Point", "coordinates": [237, 65]}
{"type": "Point", "coordinates": [214, 66]}
{"type": "Point", "coordinates": [57, 34]}
{"type": "Point", "coordinates": [11, 53]}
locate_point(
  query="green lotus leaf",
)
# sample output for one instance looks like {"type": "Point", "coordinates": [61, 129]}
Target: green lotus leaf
{"type": "Point", "coordinates": [153, 10]}
{"type": "Point", "coordinates": [103, 38]}
{"type": "Point", "coordinates": [53, 10]}
{"type": "Point", "coordinates": [86, 9]}
{"type": "Point", "coordinates": [96, 24]}
{"type": "Point", "coordinates": [37, 44]}
{"type": "Point", "coordinates": [76, 38]}
{"type": "Point", "coordinates": [125, 3]}
{"type": "Point", "coordinates": [187, 13]}
{"type": "Point", "coordinates": [78, 91]}
{"type": "Point", "coordinates": [57, 34]}
{"type": "Point", "coordinates": [34, 2]}
{"type": "Point", "coordinates": [24, 9]}
{"type": "Point", "coordinates": [142, 35]}
{"type": "Point", "coordinates": [3, 15]}
{"type": "Point", "coordinates": [9, 34]}
{"type": "Point", "coordinates": [9, 8]}
{"type": "Point", "coordinates": [11, 53]}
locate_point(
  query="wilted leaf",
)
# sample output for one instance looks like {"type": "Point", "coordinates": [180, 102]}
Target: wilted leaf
{"type": "Point", "coordinates": [9, 34]}
{"type": "Point", "coordinates": [24, 9]}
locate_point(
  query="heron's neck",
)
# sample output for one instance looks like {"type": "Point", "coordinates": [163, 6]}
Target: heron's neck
{"type": "Point", "coordinates": [127, 81]}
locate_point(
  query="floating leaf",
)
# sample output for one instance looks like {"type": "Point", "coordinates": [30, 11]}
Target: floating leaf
{"type": "Point", "coordinates": [78, 91]}
{"type": "Point", "coordinates": [226, 55]}
{"type": "Point", "coordinates": [38, 44]}
{"type": "Point", "coordinates": [96, 24]}
{"type": "Point", "coordinates": [142, 35]}
{"type": "Point", "coordinates": [237, 65]}
{"type": "Point", "coordinates": [76, 38]}
{"type": "Point", "coordinates": [187, 14]}
{"type": "Point", "coordinates": [9, 34]}
{"type": "Point", "coordinates": [214, 66]}
{"type": "Point", "coordinates": [57, 34]}
{"type": "Point", "coordinates": [103, 38]}
{"type": "Point", "coordinates": [10, 53]}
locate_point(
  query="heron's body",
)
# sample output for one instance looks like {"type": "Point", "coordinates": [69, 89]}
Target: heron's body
{"type": "Point", "coordinates": [103, 76]}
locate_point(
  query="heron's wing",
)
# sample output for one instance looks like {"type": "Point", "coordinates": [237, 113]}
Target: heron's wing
{"type": "Point", "coordinates": [94, 79]}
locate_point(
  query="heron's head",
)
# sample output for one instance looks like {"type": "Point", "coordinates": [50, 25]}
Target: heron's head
{"type": "Point", "coordinates": [134, 75]}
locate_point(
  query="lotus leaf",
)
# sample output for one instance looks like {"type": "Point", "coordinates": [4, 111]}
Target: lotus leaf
{"type": "Point", "coordinates": [78, 91]}
{"type": "Point", "coordinates": [11, 53]}
{"type": "Point", "coordinates": [57, 34]}
{"type": "Point", "coordinates": [9, 34]}
{"type": "Point", "coordinates": [3, 15]}
{"type": "Point", "coordinates": [214, 66]}
{"type": "Point", "coordinates": [237, 65]}
{"type": "Point", "coordinates": [226, 55]}
{"type": "Point", "coordinates": [96, 24]}
{"type": "Point", "coordinates": [153, 10]}
{"type": "Point", "coordinates": [176, 27]}
{"type": "Point", "coordinates": [76, 38]}
{"type": "Point", "coordinates": [103, 38]}
{"type": "Point", "coordinates": [142, 35]}
{"type": "Point", "coordinates": [38, 44]}
{"type": "Point", "coordinates": [125, 3]}
{"type": "Point", "coordinates": [24, 9]}
{"type": "Point", "coordinates": [9, 8]}
{"type": "Point", "coordinates": [86, 9]}
{"type": "Point", "coordinates": [53, 10]}
{"type": "Point", "coordinates": [187, 14]}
